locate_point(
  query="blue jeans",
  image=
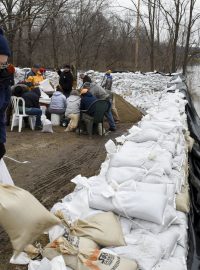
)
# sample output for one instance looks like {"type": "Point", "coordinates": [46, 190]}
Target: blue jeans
{"type": "Point", "coordinates": [37, 112]}
{"type": "Point", "coordinates": [110, 118]}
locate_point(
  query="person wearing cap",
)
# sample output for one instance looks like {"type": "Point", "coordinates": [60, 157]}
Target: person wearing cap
{"type": "Point", "coordinates": [34, 77]}
{"type": "Point", "coordinates": [107, 85]}
{"type": "Point", "coordinates": [66, 80]}
{"type": "Point", "coordinates": [5, 93]}
{"type": "Point", "coordinates": [34, 70]}
{"type": "Point", "coordinates": [107, 80]}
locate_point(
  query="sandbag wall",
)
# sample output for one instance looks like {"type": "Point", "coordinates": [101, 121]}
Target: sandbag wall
{"type": "Point", "coordinates": [193, 261]}
{"type": "Point", "coordinates": [144, 182]}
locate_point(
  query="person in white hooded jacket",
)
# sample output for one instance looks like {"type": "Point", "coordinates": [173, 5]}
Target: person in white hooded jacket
{"type": "Point", "coordinates": [73, 110]}
{"type": "Point", "coordinates": [58, 102]}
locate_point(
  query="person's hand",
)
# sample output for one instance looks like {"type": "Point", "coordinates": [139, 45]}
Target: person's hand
{"type": "Point", "coordinates": [2, 150]}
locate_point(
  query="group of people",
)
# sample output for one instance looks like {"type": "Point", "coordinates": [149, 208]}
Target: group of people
{"type": "Point", "coordinates": [74, 101]}
{"type": "Point", "coordinates": [64, 101]}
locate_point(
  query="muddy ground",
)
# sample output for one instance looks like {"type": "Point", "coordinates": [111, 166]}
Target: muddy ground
{"type": "Point", "coordinates": [54, 160]}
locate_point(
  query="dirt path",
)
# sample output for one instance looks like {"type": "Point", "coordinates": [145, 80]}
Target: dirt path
{"type": "Point", "coordinates": [55, 159]}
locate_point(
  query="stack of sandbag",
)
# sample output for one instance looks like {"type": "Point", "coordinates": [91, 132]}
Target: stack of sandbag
{"type": "Point", "coordinates": [133, 215]}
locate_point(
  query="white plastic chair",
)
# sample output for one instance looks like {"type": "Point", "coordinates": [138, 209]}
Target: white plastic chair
{"type": "Point", "coordinates": [17, 115]}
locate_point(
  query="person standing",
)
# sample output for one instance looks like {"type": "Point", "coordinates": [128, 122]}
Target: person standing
{"type": "Point", "coordinates": [107, 85]}
{"type": "Point", "coordinates": [66, 80]}
{"type": "Point", "coordinates": [5, 92]}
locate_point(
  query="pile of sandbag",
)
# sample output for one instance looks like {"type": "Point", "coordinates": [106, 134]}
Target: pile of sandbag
{"type": "Point", "coordinates": [133, 215]}
{"type": "Point", "coordinates": [144, 182]}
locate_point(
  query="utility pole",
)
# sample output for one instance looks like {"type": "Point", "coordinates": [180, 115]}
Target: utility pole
{"type": "Point", "coordinates": [137, 36]}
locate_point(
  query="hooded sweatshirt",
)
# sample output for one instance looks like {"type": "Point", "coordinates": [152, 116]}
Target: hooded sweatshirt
{"type": "Point", "coordinates": [58, 101]}
{"type": "Point", "coordinates": [73, 105]}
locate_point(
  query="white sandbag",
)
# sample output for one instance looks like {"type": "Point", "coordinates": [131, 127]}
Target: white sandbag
{"type": "Point", "coordinates": [122, 174]}
{"type": "Point", "coordinates": [181, 253]}
{"type": "Point", "coordinates": [45, 264]}
{"type": "Point", "coordinates": [142, 247]}
{"type": "Point", "coordinates": [77, 207]}
{"type": "Point", "coordinates": [47, 126]}
{"type": "Point", "coordinates": [21, 259]}
{"type": "Point", "coordinates": [110, 147]}
{"type": "Point", "coordinates": [170, 218]}
{"type": "Point", "coordinates": [5, 177]}
{"type": "Point", "coordinates": [144, 135]}
{"type": "Point", "coordinates": [169, 240]}
{"type": "Point", "coordinates": [148, 206]}
{"type": "Point", "coordinates": [125, 201]}
{"type": "Point", "coordinates": [170, 146]}
{"type": "Point", "coordinates": [148, 155]}
{"type": "Point", "coordinates": [172, 264]}
{"type": "Point", "coordinates": [161, 126]}
{"type": "Point", "coordinates": [183, 234]}
{"type": "Point", "coordinates": [58, 263]}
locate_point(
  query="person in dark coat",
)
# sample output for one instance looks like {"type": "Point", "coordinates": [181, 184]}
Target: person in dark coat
{"type": "Point", "coordinates": [32, 106]}
{"type": "Point", "coordinates": [86, 100]}
{"type": "Point", "coordinates": [85, 78]}
{"type": "Point", "coordinates": [66, 80]}
{"type": "Point", "coordinates": [5, 93]}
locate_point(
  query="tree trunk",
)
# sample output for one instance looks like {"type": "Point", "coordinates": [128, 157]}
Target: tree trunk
{"type": "Point", "coordinates": [186, 52]}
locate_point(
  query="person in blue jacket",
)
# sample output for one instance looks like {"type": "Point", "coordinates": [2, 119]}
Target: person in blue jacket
{"type": "Point", "coordinates": [5, 81]}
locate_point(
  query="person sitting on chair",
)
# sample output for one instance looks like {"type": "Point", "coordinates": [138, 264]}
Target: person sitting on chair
{"type": "Point", "coordinates": [86, 100]}
{"type": "Point", "coordinates": [32, 106]}
{"type": "Point", "coordinates": [100, 93]}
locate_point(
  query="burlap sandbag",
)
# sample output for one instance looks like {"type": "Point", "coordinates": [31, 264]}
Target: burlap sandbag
{"type": "Point", "coordinates": [183, 200]}
{"type": "Point", "coordinates": [86, 258]}
{"type": "Point", "coordinates": [68, 246]}
{"type": "Point", "coordinates": [104, 228]}
{"type": "Point", "coordinates": [23, 217]}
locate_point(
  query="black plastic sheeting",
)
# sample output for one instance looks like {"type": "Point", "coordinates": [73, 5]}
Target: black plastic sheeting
{"type": "Point", "coordinates": [193, 260]}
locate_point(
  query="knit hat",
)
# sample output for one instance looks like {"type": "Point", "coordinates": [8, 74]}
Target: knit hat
{"type": "Point", "coordinates": [83, 91]}
{"type": "Point", "coordinates": [4, 48]}
{"type": "Point", "coordinates": [108, 71]}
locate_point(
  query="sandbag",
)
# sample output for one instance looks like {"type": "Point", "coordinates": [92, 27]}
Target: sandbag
{"type": "Point", "coordinates": [144, 135]}
{"type": "Point", "coordinates": [149, 206]}
{"type": "Point", "coordinates": [183, 200]}
{"type": "Point", "coordinates": [170, 217]}
{"type": "Point", "coordinates": [104, 228]}
{"type": "Point", "coordinates": [122, 174]}
{"type": "Point", "coordinates": [85, 257]}
{"type": "Point", "coordinates": [143, 247]}
{"type": "Point", "coordinates": [22, 216]}
{"type": "Point", "coordinates": [68, 246]}
{"type": "Point", "coordinates": [47, 126]}
{"type": "Point", "coordinates": [5, 177]}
